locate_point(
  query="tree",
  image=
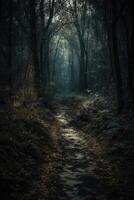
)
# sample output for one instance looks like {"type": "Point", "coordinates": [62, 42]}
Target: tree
{"type": "Point", "coordinates": [34, 46]}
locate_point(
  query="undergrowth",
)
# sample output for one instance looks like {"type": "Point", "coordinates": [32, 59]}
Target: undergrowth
{"type": "Point", "coordinates": [28, 152]}
{"type": "Point", "coordinates": [111, 138]}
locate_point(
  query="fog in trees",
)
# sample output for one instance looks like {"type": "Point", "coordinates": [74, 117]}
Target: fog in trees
{"type": "Point", "coordinates": [66, 82]}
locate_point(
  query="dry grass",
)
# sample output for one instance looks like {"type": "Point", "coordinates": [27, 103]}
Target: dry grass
{"type": "Point", "coordinates": [29, 152]}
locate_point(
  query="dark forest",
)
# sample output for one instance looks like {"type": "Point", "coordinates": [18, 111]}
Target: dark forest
{"type": "Point", "coordinates": [66, 100]}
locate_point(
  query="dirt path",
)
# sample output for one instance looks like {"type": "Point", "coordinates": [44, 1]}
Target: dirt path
{"type": "Point", "coordinates": [78, 180]}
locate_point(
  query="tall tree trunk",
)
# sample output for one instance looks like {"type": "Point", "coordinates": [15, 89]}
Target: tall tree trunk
{"type": "Point", "coordinates": [72, 77]}
{"type": "Point", "coordinates": [44, 44]}
{"type": "Point", "coordinates": [45, 67]}
{"type": "Point", "coordinates": [54, 61]}
{"type": "Point", "coordinates": [83, 68]}
{"type": "Point", "coordinates": [10, 45]}
{"type": "Point", "coordinates": [116, 62]}
{"type": "Point", "coordinates": [131, 55]}
{"type": "Point", "coordinates": [0, 10]}
{"type": "Point", "coordinates": [34, 46]}
{"type": "Point", "coordinates": [80, 32]}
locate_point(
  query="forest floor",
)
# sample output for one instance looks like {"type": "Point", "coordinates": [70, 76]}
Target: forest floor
{"type": "Point", "coordinates": [104, 140]}
{"type": "Point", "coordinates": [29, 152]}
{"type": "Point", "coordinates": [77, 179]}
{"type": "Point", "coordinates": [79, 150]}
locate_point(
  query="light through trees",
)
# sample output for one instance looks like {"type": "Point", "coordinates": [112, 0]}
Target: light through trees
{"type": "Point", "coordinates": [74, 46]}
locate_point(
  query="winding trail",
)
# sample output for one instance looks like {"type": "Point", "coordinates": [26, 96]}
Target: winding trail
{"type": "Point", "coordinates": [78, 180]}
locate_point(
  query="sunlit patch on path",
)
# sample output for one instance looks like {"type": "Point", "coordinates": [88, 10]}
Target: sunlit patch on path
{"type": "Point", "coordinates": [77, 180]}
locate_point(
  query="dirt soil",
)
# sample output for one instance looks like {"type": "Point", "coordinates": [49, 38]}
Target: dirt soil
{"type": "Point", "coordinates": [78, 179]}
{"type": "Point", "coordinates": [81, 150]}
